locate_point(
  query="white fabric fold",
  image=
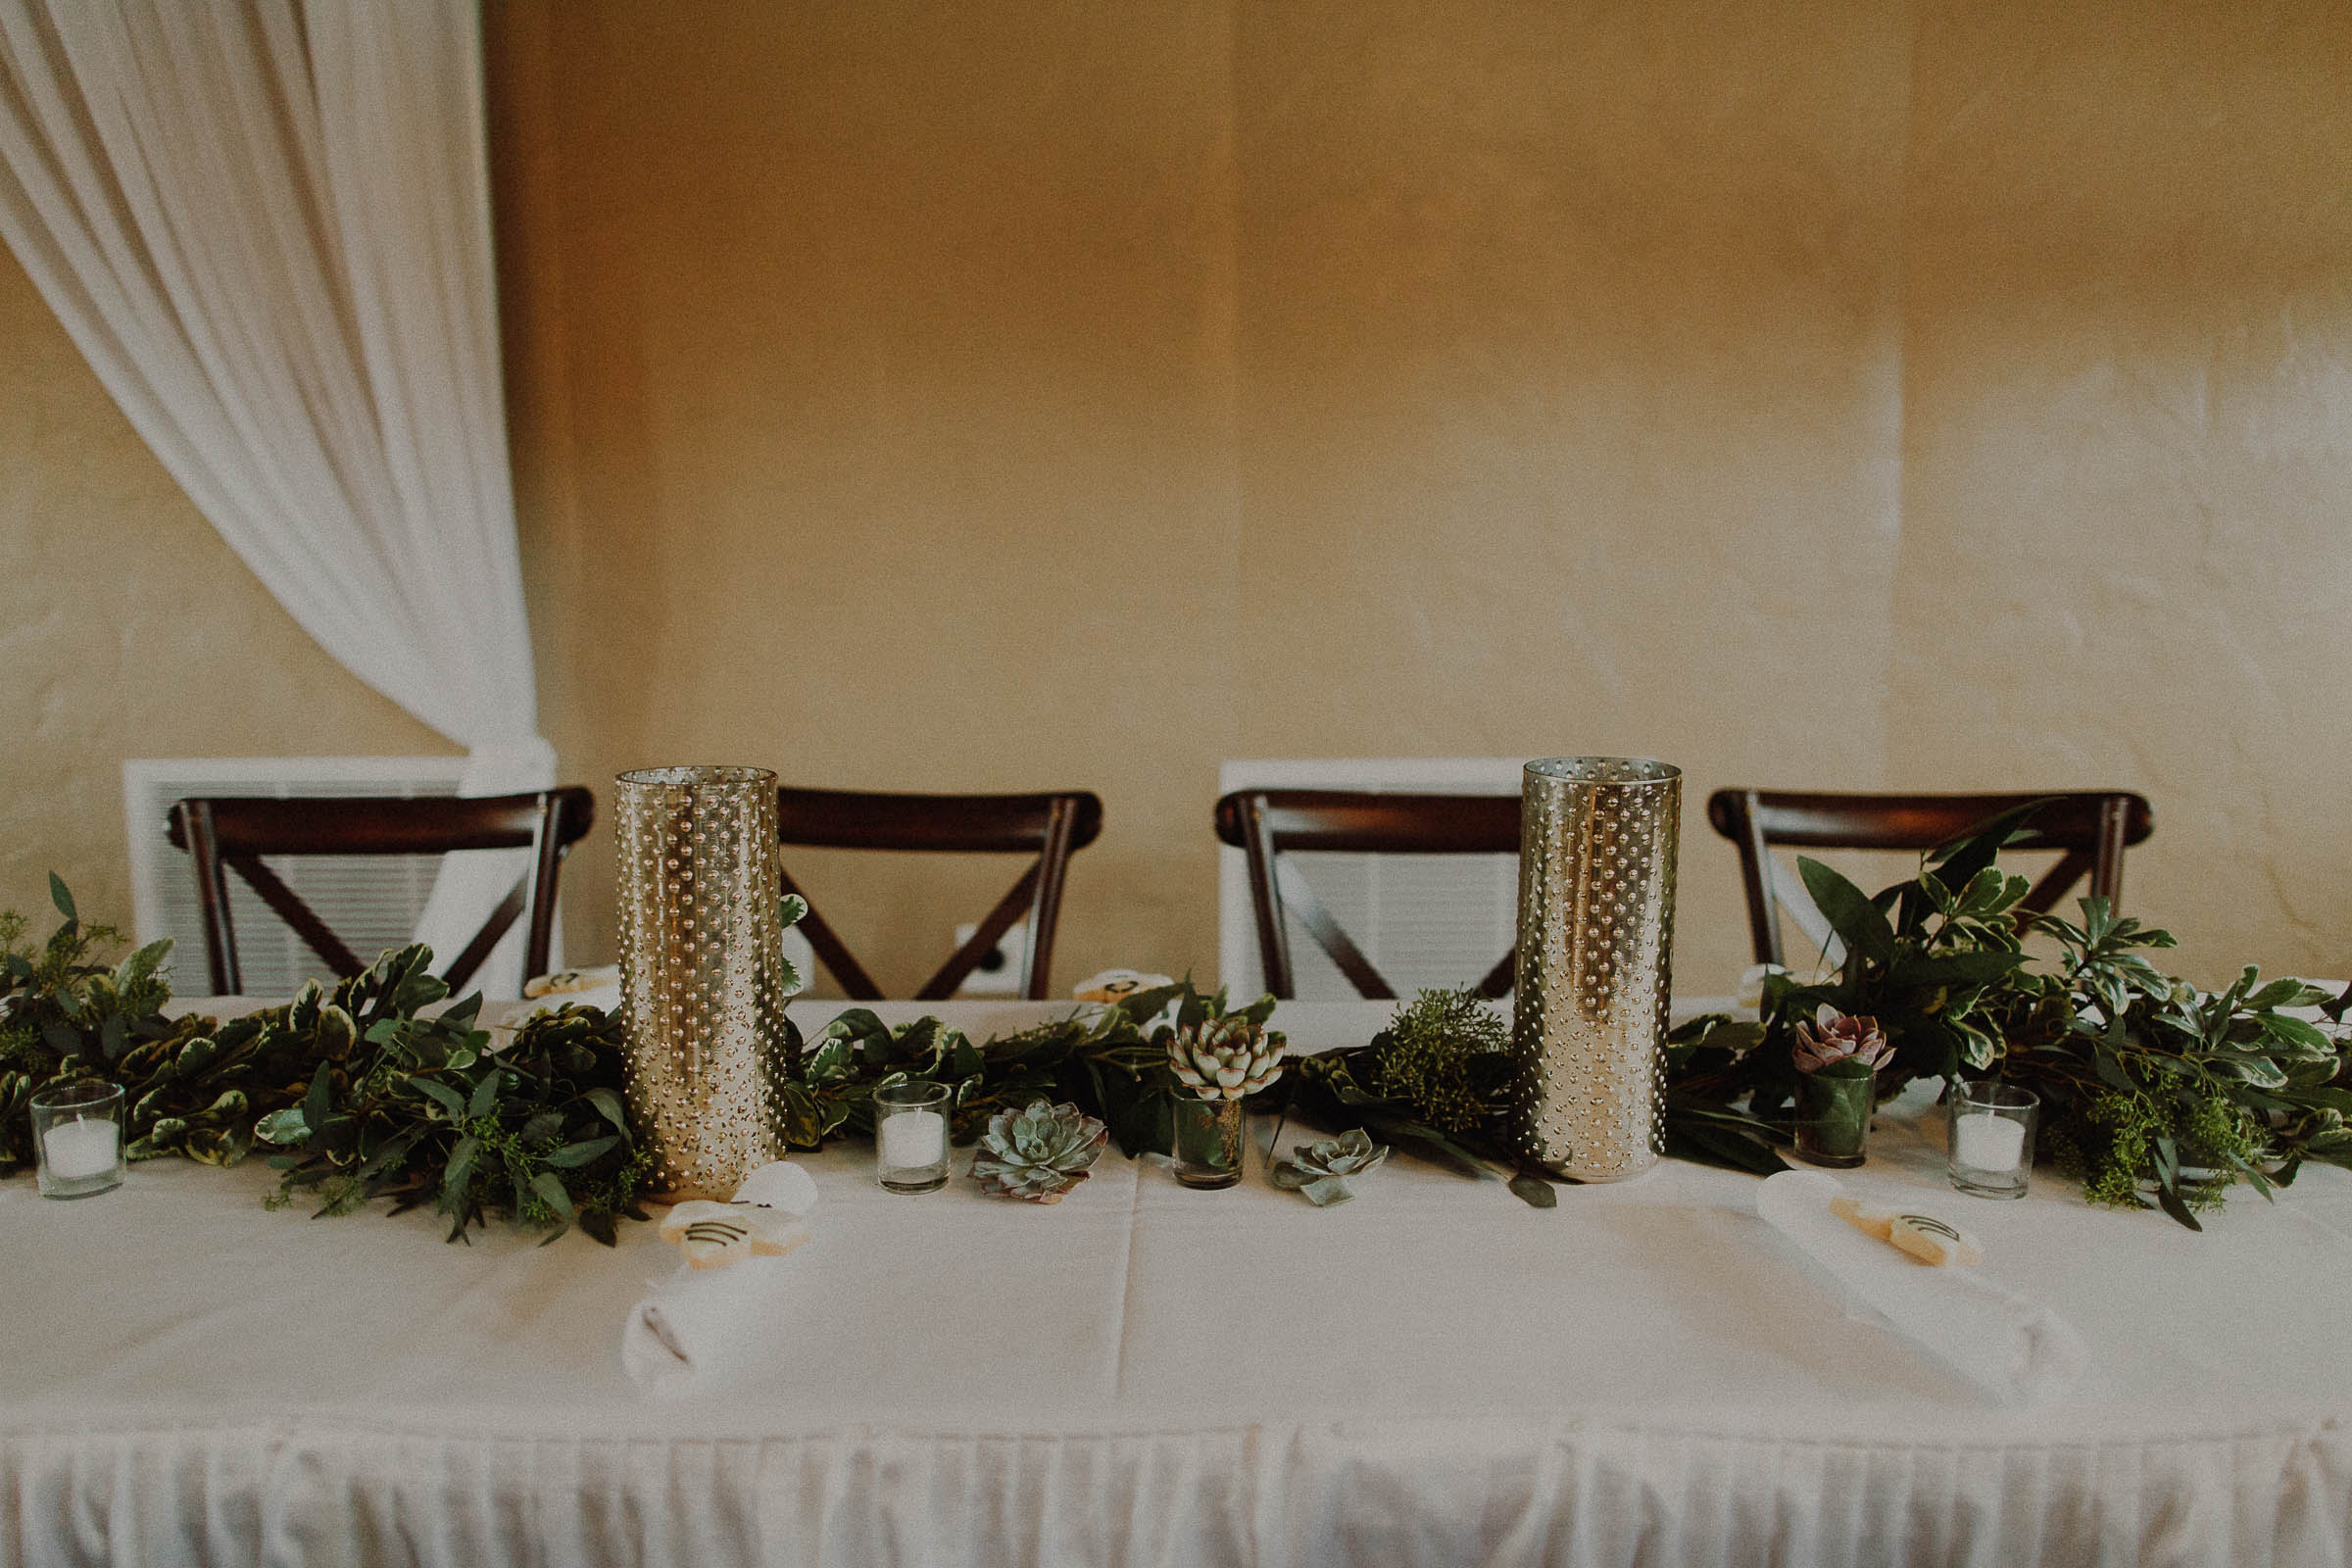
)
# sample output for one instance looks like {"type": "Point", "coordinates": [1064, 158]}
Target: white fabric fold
{"type": "Point", "coordinates": [693, 1326]}
{"type": "Point", "coordinates": [470, 883]}
{"type": "Point", "coordinates": [2008, 1345]}
{"type": "Point", "coordinates": [267, 226]}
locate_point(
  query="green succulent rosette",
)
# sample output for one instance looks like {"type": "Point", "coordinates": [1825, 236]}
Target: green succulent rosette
{"type": "Point", "coordinates": [1039, 1152]}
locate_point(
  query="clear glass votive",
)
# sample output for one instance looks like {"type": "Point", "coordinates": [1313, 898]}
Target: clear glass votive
{"type": "Point", "coordinates": [77, 1130]}
{"type": "Point", "coordinates": [910, 1137]}
{"type": "Point", "coordinates": [1208, 1142]}
{"type": "Point", "coordinates": [1991, 1137]}
{"type": "Point", "coordinates": [1833, 1117]}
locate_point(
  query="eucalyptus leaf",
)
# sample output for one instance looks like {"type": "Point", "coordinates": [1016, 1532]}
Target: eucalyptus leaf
{"type": "Point", "coordinates": [1535, 1191]}
{"type": "Point", "coordinates": [608, 1106]}
{"type": "Point", "coordinates": [550, 1188]}
{"type": "Point", "coordinates": [572, 1155]}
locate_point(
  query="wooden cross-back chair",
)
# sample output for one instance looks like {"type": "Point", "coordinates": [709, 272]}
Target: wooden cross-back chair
{"type": "Point", "coordinates": [2090, 830]}
{"type": "Point", "coordinates": [231, 833]}
{"type": "Point", "coordinates": [1266, 825]}
{"type": "Point", "coordinates": [1053, 827]}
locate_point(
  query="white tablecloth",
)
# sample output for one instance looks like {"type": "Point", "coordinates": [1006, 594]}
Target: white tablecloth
{"type": "Point", "coordinates": [1433, 1373]}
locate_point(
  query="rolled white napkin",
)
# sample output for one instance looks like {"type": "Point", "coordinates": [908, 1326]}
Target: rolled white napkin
{"type": "Point", "coordinates": [692, 1324]}
{"type": "Point", "coordinates": [2012, 1346]}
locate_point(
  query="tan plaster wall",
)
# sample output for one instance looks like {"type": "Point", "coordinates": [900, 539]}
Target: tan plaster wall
{"type": "Point", "coordinates": [1855, 394]}
{"type": "Point", "coordinates": [1002, 396]}
{"type": "Point", "coordinates": [127, 629]}
{"type": "Point", "coordinates": [1569, 392]}
{"type": "Point", "coordinates": [2127, 443]}
{"type": "Point", "coordinates": [998, 398]}
{"type": "Point", "coordinates": [877, 386]}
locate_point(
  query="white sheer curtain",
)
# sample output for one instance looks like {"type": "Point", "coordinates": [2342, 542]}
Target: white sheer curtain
{"type": "Point", "coordinates": [265, 224]}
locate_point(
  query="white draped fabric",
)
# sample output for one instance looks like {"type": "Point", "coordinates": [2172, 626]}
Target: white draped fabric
{"type": "Point", "coordinates": [1432, 1373]}
{"type": "Point", "coordinates": [266, 225]}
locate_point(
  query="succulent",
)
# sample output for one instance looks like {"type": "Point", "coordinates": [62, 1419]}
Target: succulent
{"type": "Point", "coordinates": [1039, 1152]}
{"type": "Point", "coordinates": [1225, 1058]}
{"type": "Point", "coordinates": [1321, 1170]}
{"type": "Point", "coordinates": [1837, 1039]}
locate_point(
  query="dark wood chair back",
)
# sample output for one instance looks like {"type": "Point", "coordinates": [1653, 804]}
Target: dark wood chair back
{"type": "Point", "coordinates": [1267, 823]}
{"type": "Point", "coordinates": [231, 833]}
{"type": "Point", "coordinates": [1052, 827]}
{"type": "Point", "coordinates": [2090, 830]}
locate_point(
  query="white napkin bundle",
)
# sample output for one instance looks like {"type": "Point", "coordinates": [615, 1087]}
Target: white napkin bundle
{"type": "Point", "coordinates": [694, 1321]}
{"type": "Point", "coordinates": [2014, 1347]}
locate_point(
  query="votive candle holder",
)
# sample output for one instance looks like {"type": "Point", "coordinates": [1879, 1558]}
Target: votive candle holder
{"type": "Point", "coordinates": [910, 1137]}
{"type": "Point", "coordinates": [77, 1131]}
{"type": "Point", "coordinates": [1991, 1137]}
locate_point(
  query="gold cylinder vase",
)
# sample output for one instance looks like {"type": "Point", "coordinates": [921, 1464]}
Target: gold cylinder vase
{"type": "Point", "coordinates": [702, 972]}
{"type": "Point", "coordinates": [1599, 837]}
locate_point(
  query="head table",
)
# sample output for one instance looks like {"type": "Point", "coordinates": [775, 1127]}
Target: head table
{"type": "Point", "coordinates": [1432, 1373]}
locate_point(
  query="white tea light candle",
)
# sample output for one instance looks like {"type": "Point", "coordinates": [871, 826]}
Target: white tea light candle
{"type": "Point", "coordinates": [1992, 1129]}
{"type": "Point", "coordinates": [77, 1131]}
{"type": "Point", "coordinates": [76, 1150]}
{"type": "Point", "coordinates": [914, 1138]}
{"type": "Point", "coordinates": [1985, 1142]}
{"type": "Point", "coordinates": [910, 1137]}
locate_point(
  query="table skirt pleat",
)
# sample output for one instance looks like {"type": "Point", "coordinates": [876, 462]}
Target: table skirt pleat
{"type": "Point", "coordinates": [1341, 1493]}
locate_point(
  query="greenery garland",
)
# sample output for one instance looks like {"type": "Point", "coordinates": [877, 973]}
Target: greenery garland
{"type": "Point", "coordinates": [1113, 1064]}
{"type": "Point", "coordinates": [1441, 1077]}
{"type": "Point", "coordinates": [2155, 1095]}
{"type": "Point", "coordinates": [363, 1095]}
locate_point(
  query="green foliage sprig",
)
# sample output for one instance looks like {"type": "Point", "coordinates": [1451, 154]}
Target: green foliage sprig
{"type": "Point", "coordinates": [423, 1110]}
{"type": "Point", "coordinates": [1445, 1055]}
{"type": "Point", "coordinates": [2152, 1083]}
{"type": "Point", "coordinates": [1712, 1064]}
{"type": "Point", "coordinates": [1442, 1076]}
{"type": "Point", "coordinates": [1933, 958]}
{"type": "Point", "coordinates": [2155, 1094]}
{"type": "Point", "coordinates": [1112, 1066]}
{"type": "Point", "coordinates": [1434, 1080]}
{"type": "Point", "coordinates": [64, 1014]}
{"type": "Point", "coordinates": [363, 1095]}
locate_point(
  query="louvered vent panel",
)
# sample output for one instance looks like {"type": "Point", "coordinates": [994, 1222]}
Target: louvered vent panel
{"type": "Point", "coordinates": [370, 900]}
{"type": "Point", "coordinates": [1423, 920]}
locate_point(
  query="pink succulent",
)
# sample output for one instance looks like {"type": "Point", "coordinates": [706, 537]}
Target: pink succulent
{"type": "Point", "coordinates": [1836, 1037]}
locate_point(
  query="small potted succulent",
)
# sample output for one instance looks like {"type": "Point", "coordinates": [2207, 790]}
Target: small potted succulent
{"type": "Point", "coordinates": [1218, 1061]}
{"type": "Point", "coordinates": [1838, 1059]}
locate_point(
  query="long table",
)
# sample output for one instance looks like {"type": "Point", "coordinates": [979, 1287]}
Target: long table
{"type": "Point", "coordinates": [1432, 1373]}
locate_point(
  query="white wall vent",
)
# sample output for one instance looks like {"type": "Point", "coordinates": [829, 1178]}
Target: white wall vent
{"type": "Point", "coordinates": [1422, 919]}
{"type": "Point", "coordinates": [370, 900]}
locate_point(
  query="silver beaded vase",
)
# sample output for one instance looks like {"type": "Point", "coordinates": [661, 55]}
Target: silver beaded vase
{"type": "Point", "coordinates": [703, 975]}
{"type": "Point", "coordinates": [1596, 861]}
